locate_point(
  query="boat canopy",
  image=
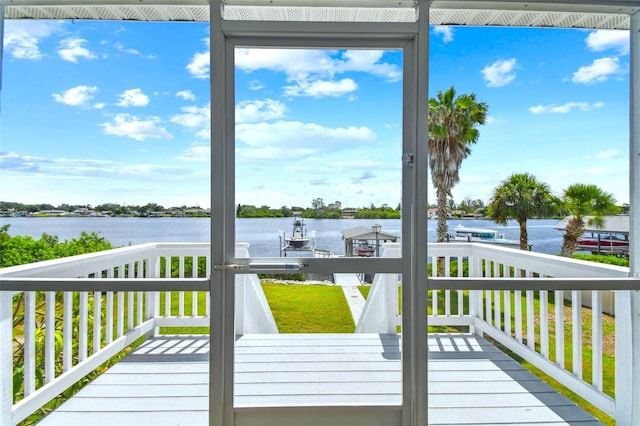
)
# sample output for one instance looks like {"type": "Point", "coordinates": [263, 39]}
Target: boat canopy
{"type": "Point", "coordinates": [612, 224]}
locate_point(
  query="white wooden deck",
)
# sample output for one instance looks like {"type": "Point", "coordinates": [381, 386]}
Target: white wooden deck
{"type": "Point", "coordinates": [165, 382]}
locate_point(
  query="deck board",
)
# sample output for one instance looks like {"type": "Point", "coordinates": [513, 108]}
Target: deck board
{"type": "Point", "coordinates": [165, 382]}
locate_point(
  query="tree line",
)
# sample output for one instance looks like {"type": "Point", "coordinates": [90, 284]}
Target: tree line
{"type": "Point", "coordinates": [320, 210]}
{"type": "Point", "coordinates": [110, 208]}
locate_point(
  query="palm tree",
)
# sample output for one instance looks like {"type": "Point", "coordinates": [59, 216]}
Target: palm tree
{"type": "Point", "coordinates": [579, 201]}
{"type": "Point", "coordinates": [452, 129]}
{"type": "Point", "coordinates": [519, 197]}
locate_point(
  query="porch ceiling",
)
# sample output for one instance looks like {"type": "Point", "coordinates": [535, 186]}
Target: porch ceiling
{"type": "Point", "coordinates": [600, 14]}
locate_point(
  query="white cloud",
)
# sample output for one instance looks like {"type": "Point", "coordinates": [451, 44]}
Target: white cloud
{"type": "Point", "coordinates": [133, 97]}
{"type": "Point", "coordinates": [444, 31]}
{"type": "Point", "coordinates": [369, 61]}
{"type": "Point", "coordinates": [22, 37]}
{"type": "Point", "coordinates": [120, 47]}
{"type": "Point", "coordinates": [71, 49]}
{"type": "Point", "coordinates": [313, 72]}
{"type": "Point", "coordinates": [297, 63]}
{"type": "Point", "coordinates": [599, 71]}
{"type": "Point", "coordinates": [600, 40]}
{"type": "Point", "coordinates": [77, 96]}
{"type": "Point", "coordinates": [194, 117]}
{"type": "Point", "coordinates": [256, 85]}
{"type": "Point", "coordinates": [259, 110]}
{"type": "Point", "coordinates": [187, 95]}
{"type": "Point", "coordinates": [135, 128]}
{"type": "Point", "coordinates": [293, 139]}
{"type": "Point", "coordinates": [320, 88]}
{"type": "Point", "coordinates": [500, 73]}
{"type": "Point", "coordinates": [494, 120]}
{"type": "Point", "coordinates": [200, 63]}
{"type": "Point", "coordinates": [196, 153]}
{"type": "Point", "coordinates": [565, 108]}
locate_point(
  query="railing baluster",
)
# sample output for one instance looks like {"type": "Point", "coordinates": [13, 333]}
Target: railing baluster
{"type": "Point", "coordinates": [596, 338]}
{"type": "Point", "coordinates": [531, 335]}
{"type": "Point", "coordinates": [460, 292]}
{"type": "Point", "coordinates": [83, 328]}
{"type": "Point", "coordinates": [434, 302]}
{"type": "Point", "coordinates": [139, 307]}
{"type": "Point", "coordinates": [109, 311]}
{"type": "Point", "coordinates": [507, 312]}
{"type": "Point", "coordinates": [109, 318]}
{"type": "Point", "coordinates": [194, 294]}
{"type": "Point", "coordinates": [447, 303]}
{"type": "Point", "coordinates": [544, 323]}
{"type": "Point", "coordinates": [181, 293]}
{"type": "Point", "coordinates": [434, 292]}
{"type": "Point", "coordinates": [488, 308]}
{"type": "Point", "coordinates": [49, 337]}
{"type": "Point", "coordinates": [29, 342]}
{"type": "Point", "coordinates": [497, 302]}
{"type": "Point", "coordinates": [67, 332]}
{"type": "Point", "coordinates": [120, 320]}
{"type": "Point", "coordinates": [167, 294]}
{"type": "Point", "coordinates": [559, 313]}
{"type": "Point", "coordinates": [576, 327]}
{"type": "Point", "coordinates": [97, 320]}
{"type": "Point", "coordinates": [517, 303]}
{"type": "Point", "coordinates": [130, 311]}
{"type": "Point", "coordinates": [140, 303]}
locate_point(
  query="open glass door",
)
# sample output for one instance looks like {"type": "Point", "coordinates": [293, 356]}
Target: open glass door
{"type": "Point", "coordinates": [318, 215]}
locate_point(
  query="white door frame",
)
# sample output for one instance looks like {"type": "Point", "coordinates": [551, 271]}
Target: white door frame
{"type": "Point", "coordinates": [412, 38]}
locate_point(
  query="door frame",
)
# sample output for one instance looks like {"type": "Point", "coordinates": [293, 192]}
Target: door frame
{"type": "Point", "coordinates": [412, 39]}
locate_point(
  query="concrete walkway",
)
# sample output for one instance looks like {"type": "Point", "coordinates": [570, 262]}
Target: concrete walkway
{"type": "Point", "coordinates": [355, 300]}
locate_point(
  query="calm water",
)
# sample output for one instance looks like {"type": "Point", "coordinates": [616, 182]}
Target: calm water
{"type": "Point", "coordinates": [261, 234]}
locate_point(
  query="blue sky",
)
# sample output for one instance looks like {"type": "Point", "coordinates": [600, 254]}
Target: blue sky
{"type": "Point", "coordinates": [97, 112]}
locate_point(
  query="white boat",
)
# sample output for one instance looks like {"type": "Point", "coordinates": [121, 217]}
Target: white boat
{"type": "Point", "coordinates": [463, 234]}
{"type": "Point", "coordinates": [299, 241]}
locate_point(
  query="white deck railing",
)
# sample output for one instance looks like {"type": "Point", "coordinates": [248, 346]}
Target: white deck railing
{"type": "Point", "coordinates": [527, 322]}
{"type": "Point", "coordinates": [63, 336]}
{"type": "Point", "coordinates": [521, 315]}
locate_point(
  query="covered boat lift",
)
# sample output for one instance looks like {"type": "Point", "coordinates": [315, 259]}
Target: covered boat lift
{"type": "Point", "coordinates": [610, 238]}
{"type": "Point", "coordinates": [364, 235]}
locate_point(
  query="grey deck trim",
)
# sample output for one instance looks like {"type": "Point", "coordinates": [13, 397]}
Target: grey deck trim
{"type": "Point", "coordinates": [165, 382]}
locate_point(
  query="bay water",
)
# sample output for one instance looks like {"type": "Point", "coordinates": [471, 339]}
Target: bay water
{"type": "Point", "coordinates": [263, 234]}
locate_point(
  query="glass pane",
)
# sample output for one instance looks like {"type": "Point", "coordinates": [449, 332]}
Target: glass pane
{"type": "Point", "coordinates": [318, 149]}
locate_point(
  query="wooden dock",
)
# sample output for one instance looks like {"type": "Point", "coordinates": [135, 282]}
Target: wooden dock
{"type": "Point", "coordinates": [165, 382]}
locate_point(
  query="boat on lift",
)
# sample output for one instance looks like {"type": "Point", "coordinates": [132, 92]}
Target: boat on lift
{"type": "Point", "coordinates": [604, 242]}
{"type": "Point", "coordinates": [299, 241]}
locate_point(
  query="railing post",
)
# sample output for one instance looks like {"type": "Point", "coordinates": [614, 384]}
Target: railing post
{"type": "Point", "coordinates": [627, 360]}
{"type": "Point", "coordinates": [152, 297]}
{"type": "Point", "coordinates": [6, 358]}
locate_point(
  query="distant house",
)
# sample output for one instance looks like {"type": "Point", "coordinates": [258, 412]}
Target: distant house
{"type": "Point", "coordinates": [196, 212]}
{"type": "Point", "coordinates": [52, 212]}
{"type": "Point", "coordinates": [348, 213]}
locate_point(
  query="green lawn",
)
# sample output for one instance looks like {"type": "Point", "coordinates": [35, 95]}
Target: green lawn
{"type": "Point", "coordinates": [309, 308]}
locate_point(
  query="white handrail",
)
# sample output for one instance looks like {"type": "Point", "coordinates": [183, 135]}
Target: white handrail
{"type": "Point", "coordinates": [118, 282]}
{"type": "Point", "coordinates": [90, 282]}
